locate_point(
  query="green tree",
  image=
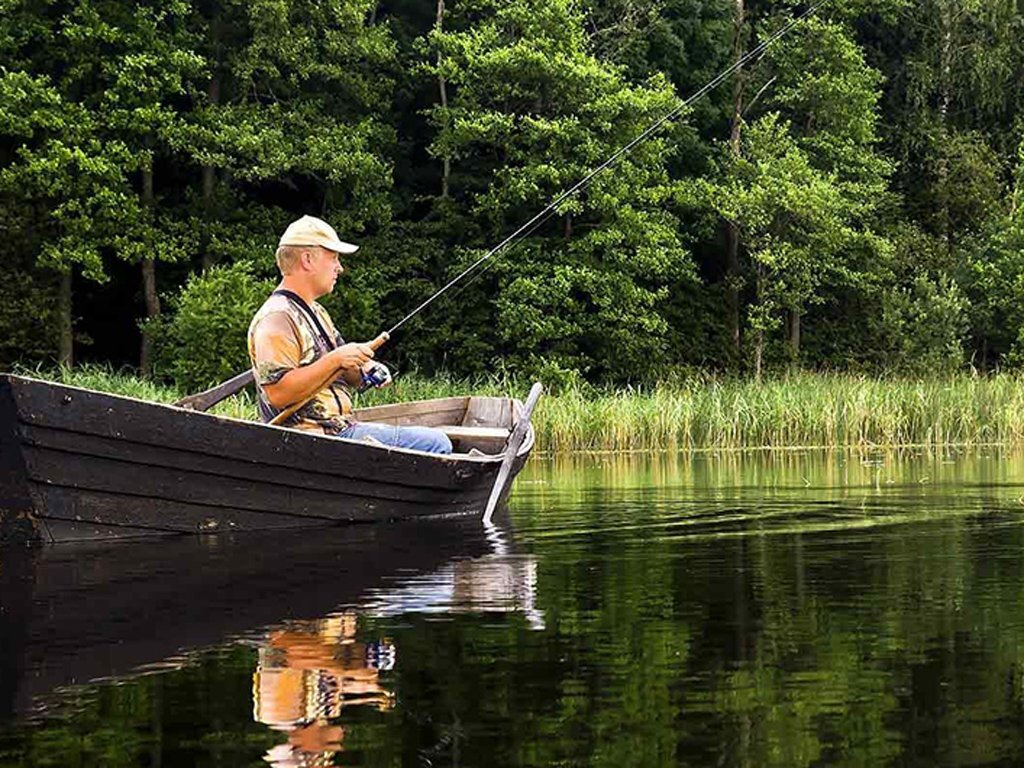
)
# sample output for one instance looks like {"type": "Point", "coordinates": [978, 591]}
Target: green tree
{"type": "Point", "coordinates": [994, 278]}
{"type": "Point", "coordinates": [529, 111]}
{"type": "Point", "coordinates": [805, 182]}
{"type": "Point", "coordinates": [89, 83]}
{"type": "Point", "coordinates": [800, 228]}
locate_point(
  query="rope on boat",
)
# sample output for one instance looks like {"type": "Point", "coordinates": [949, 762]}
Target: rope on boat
{"type": "Point", "coordinates": [527, 228]}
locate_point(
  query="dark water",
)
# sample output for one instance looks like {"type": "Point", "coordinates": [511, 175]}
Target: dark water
{"type": "Point", "coordinates": [792, 610]}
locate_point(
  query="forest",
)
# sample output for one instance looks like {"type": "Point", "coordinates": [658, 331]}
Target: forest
{"type": "Point", "coordinates": [850, 201]}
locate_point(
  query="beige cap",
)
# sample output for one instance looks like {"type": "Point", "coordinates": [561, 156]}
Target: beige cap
{"type": "Point", "coordinates": [309, 230]}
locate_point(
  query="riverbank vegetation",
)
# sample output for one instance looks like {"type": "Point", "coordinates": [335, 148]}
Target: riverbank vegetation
{"type": "Point", "coordinates": [796, 411]}
{"type": "Point", "coordinates": [852, 202]}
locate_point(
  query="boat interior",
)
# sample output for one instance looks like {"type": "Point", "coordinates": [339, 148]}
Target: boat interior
{"type": "Point", "coordinates": [473, 424]}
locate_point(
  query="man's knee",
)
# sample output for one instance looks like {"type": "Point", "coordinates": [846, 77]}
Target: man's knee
{"type": "Point", "coordinates": [435, 441]}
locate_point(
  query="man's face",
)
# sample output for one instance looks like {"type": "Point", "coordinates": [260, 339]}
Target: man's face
{"type": "Point", "coordinates": [325, 268]}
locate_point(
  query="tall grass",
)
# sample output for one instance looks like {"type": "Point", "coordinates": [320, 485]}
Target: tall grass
{"type": "Point", "coordinates": [806, 410]}
{"type": "Point", "coordinates": [803, 410]}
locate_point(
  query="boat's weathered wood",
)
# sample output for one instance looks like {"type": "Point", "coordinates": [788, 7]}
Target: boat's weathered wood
{"type": "Point", "coordinates": [476, 440]}
{"type": "Point", "coordinates": [15, 500]}
{"type": "Point", "coordinates": [83, 464]}
{"type": "Point", "coordinates": [474, 433]}
{"type": "Point", "coordinates": [86, 507]}
{"type": "Point", "coordinates": [225, 471]}
{"type": "Point", "coordinates": [204, 401]}
{"type": "Point", "coordinates": [426, 413]}
{"type": "Point", "coordinates": [512, 450]}
{"type": "Point", "coordinates": [77, 530]}
{"type": "Point", "coordinates": [488, 412]}
{"type": "Point", "coordinates": [204, 435]}
{"type": "Point", "coordinates": [152, 482]}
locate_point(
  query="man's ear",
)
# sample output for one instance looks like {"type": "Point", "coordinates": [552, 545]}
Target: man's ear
{"type": "Point", "coordinates": [307, 258]}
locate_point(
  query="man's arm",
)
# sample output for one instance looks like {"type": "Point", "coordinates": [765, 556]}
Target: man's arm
{"type": "Point", "coordinates": [303, 381]}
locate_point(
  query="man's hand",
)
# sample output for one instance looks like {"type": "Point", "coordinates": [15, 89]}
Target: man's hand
{"type": "Point", "coordinates": [352, 356]}
{"type": "Point", "coordinates": [376, 375]}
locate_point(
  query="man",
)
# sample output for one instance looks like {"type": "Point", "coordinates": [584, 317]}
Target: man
{"type": "Point", "coordinates": [295, 348]}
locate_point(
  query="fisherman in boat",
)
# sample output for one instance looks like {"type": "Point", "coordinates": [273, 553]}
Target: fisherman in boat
{"type": "Point", "coordinates": [299, 357]}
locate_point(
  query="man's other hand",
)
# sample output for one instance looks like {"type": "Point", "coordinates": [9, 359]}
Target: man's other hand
{"type": "Point", "coordinates": [376, 375]}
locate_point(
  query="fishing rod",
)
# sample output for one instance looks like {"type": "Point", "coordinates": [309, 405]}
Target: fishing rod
{"type": "Point", "coordinates": [531, 225]}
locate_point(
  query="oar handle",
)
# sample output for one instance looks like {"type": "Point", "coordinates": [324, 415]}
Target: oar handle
{"type": "Point", "coordinates": [291, 410]}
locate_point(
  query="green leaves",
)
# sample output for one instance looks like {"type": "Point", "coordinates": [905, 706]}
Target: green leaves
{"type": "Point", "coordinates": [874, 173]}
{"type": "Point", "coordinates": [532, 112]}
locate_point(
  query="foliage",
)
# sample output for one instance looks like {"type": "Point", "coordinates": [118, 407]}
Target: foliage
{"type": "Point", "coordinates": [926, 324]}
{"type": "Point", "coordinates": [585, 293]}
{"type": "Point", "coordinates": [873, 176]}
{"type": "Point", "coordinates": [204, 341]}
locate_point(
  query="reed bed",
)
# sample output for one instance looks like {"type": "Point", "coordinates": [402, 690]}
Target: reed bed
{"type": "Point", "coordinates": [802, 410]}
{"type": "Point", "coordinates": [807, 410]}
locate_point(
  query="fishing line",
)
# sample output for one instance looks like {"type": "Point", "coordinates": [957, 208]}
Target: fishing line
{"type": "Point", "coordinates": [531, 225]}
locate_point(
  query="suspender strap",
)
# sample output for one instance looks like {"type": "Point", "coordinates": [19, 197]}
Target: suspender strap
{"type": "Point", "coordinates": [307, 310]}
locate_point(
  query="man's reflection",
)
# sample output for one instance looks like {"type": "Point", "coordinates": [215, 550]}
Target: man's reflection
{"type": "Point", "coordinates": [308, 672]}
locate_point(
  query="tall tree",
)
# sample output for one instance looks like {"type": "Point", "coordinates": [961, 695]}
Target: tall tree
{"type": "Point", "coordinates": [530, 111]}
{"type": "Point", "coordinates": [99, 75]}
{"type": "Point", "coordinates": [804, 190]}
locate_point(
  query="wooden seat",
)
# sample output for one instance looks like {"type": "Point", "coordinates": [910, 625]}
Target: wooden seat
{"type": "Point", "coordinates": [473, 433]}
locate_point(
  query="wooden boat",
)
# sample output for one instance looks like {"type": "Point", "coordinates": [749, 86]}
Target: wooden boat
{"type": "Point", "coordinates": [78, 464]}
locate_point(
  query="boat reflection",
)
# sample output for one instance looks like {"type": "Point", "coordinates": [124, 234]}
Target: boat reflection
{"type": "Point", "coordinates": [74, 615]}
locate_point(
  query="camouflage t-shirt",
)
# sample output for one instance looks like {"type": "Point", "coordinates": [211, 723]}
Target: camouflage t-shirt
{"type": "Point", "coordinates": [282, 338]}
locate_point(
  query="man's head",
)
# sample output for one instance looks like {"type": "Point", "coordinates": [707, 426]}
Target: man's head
{"type": "Point", "coordinates": [310, 248]}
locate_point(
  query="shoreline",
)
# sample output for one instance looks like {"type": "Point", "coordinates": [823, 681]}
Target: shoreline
{"type": "Point", "coordinates": [798, 412]}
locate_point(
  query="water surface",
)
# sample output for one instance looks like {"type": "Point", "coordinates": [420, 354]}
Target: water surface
{"type": "Point", "coordinates": [789, 609]}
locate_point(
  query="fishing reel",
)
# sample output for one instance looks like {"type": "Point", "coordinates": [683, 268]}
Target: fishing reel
{"type": "Point", "coordinates": [375, 375]}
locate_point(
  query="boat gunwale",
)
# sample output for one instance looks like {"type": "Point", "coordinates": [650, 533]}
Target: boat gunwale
{"type": "Point", "coordinates": [292, 433]}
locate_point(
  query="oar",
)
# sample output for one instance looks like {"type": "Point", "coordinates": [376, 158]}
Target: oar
{"type": "Point", "coordinates": [288, 412]}
{"type": "Point", "coordinates": [204, 401]}
{"type": "Point", "coordinates": [512, 450]}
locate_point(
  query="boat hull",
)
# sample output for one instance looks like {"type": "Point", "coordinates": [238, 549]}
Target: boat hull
{"type": "Point", "coordinates": [77, 464]}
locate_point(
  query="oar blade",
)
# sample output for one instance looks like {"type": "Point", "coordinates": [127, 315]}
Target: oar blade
{"type": "Point", "coordinates": [512, 450]}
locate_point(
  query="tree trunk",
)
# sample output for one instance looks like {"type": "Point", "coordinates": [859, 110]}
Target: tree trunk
{"type": "Point", "coordinates": [66, 348]}
{"type": "Point", "coordinates": [148, 283]}
{"type": "Point", "coordinates": [446, 161]}
{"type": "Point", "coordinates": [209, 180]}
{"type": "Point", "coordinates": [732, 250]}
{"type": "Point", "coordinates": [794, 339]}
{"type": "Point", "coordinates": [946, 16]}
{"type": "Point", "coordinates": [758, 354]}
{"type": "Point", "coordinates": [1018, 182]}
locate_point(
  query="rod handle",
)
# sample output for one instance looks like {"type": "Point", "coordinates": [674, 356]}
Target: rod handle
{"type": "Point", "coordinates": [379, 341]}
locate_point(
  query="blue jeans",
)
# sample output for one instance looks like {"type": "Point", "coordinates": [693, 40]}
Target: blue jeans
{"type": "Point", "coordinates": [417, 438]}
